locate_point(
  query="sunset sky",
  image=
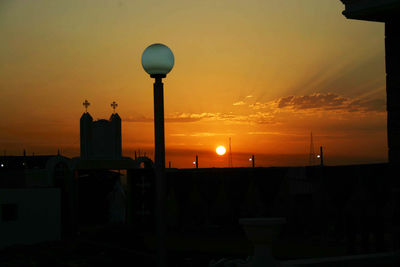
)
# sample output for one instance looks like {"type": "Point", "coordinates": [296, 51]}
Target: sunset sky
{"type": "Point", "coordinates": [265, 73]}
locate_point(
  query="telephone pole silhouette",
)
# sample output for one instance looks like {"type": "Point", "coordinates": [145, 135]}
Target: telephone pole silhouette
{"type": "Point", "coordinates": [321, 156]}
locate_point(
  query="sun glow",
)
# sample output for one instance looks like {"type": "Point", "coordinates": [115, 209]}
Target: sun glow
{"type": "Point", "coordinates": [220, 150]}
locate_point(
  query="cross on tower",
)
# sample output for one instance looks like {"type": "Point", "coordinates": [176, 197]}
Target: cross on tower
{"type": "Point", "coordinates": [86, 104]}
{"type": "Point", "coordinates": [114, 105]}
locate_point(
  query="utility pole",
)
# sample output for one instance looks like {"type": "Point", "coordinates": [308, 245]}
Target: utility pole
{"type": "Point", "coordinates": [321, 156]}
{"type": "Point", "coordinates": [252, 161]}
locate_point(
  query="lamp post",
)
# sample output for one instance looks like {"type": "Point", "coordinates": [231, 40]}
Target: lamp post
{"type": "Point", "coordinates": [158, 60]}
{"type": "Point", "coordinates": [252, 161]}
{"type": "Point", "coordinates": [321, 156]}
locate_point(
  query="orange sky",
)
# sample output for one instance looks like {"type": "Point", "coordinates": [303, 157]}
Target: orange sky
{"type": "Point", "coordinates": [265, 73]}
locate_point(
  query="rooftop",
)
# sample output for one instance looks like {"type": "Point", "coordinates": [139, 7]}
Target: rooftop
{"type": "Point", "coordinates": [371, 10]}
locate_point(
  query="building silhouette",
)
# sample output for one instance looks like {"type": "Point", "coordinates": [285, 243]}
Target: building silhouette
{"type": "Point", "coordinates": [100, 139]}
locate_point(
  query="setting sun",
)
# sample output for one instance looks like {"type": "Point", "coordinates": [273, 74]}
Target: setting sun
{"type": "Point", "coordinates": [220, 150]}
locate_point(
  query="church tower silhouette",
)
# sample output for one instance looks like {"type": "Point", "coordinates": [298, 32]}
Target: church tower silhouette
{"type": "Point", "coordinates": [100, 139]}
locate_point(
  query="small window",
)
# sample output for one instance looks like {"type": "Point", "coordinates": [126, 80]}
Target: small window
{"type": "Point", "coordinates": [9, 212]}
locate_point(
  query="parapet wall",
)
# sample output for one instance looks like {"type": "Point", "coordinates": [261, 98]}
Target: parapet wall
{"type": "Point", "coordinates": [315, 200]}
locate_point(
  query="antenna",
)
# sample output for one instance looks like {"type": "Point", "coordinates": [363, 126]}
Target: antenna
{"type": "Point", "coordinates": [230, 154]}
{"type": "Point", "coordinates": [311, 157]}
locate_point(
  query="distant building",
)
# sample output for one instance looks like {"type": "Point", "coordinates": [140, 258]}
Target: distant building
{"type": "Point", "coordinates": [31, 198]}
{"type": "Point", "coordinates": [33, 171]}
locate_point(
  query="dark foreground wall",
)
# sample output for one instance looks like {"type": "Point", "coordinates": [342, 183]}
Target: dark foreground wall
{"type": "Point", "coordinates": [337, 201]}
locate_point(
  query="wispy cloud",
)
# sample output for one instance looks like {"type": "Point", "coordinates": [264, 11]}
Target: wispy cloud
{"type": "Point", "coordinates": [317, 100]}
{"type": "Point", "coordinates": [201, 134]}
{"type": "Point", "coordinates": [209, 134]}
{"type": "Point", "coordinates": [264, 133]}
{"type": "Point", "coordinates": [242, 102]}
{"type": "Point", "coordinates": [178, 134]}
{"type": "Point", "coordinates": [191, 117]}
{"type": "Point", "coordinates": [259, 105]}
{"type": "Point", "coordinates": [323, 101]}
{"type": "Point", "coordinates": [183, 117]}
{"type": "Point", "coordinates": [262, 118]}
{"type": "Point", "coordinates": [270, 112]}
{"type": "Point", "coordinates": [239, 103]}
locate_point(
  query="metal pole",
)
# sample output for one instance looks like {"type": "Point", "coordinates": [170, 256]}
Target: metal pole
{"type": "Point", "coordinates": [197, 162]}
{"type": "Point", "coordinates": [252, 160]}
{"type": "Point", "coordinates": [322, 156]}
{"type": "Point", "coordinates": [160, 169]}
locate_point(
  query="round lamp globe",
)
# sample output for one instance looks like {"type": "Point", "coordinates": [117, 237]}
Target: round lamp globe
{"type": "Point", "coordinates": [157, 59]}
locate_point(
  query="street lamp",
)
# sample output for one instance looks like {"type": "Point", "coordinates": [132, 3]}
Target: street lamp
{"type": "Point", "coordinates": [158, 60]}
{"type": "Point", "coordinates": [252, 160]}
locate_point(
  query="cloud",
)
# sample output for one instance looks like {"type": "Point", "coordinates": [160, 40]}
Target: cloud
{"type": "Point", "coordinates": [262, 118]}
{"type": "Point", "coordinates": [272, 112]}
{"type": "Point", "coordinates": [180, 117]}
{"type": "Point", "coordinates": [239, 103]}
{"type": "Point", "coordinates": [259, 105]}
{"type": "Point", "coordinates": [178, 134]}
{"type": "Point", "coordinates": [208, 134]}
{"type": "Point", "coordinates": [242, 102]}
{"type": "Point", "coordinates": [192, 117]}
{"type": "Point", "coordinates": [274, 133]}
{"type": "Point", "coordinates": [202, 134]}
{"type": "Point", "coordinates": [317, 100]}
{"type": "Point", "coordinates": [323, 101]}
{"type": "Point", "coordinates": [263, 133]}
{"type": "Point", "coordinates": [188, 117]}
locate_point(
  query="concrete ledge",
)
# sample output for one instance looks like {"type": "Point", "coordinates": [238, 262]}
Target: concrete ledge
{"type": "Point", "coordinates": [378, 259]}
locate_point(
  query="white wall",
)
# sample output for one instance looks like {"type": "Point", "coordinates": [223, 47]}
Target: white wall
{"type": "Point", "coordinates": [38, 217]}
